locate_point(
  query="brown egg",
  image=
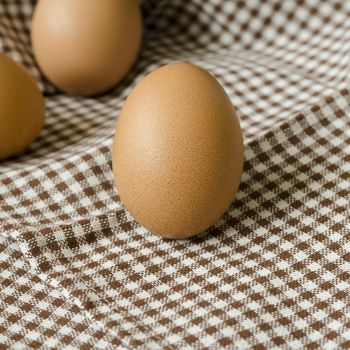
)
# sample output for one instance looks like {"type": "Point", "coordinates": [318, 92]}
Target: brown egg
{"type": "Point", "coordinates": [85, 47]}
{"type": "Point", "coordinates": [22, 108]}
{"type": "Point", "coordinates": [178, 151]}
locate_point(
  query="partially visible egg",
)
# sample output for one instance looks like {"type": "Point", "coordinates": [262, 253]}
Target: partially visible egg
{"type": "Point", "coordinates": [178, 151]}
{"type": "Point", "coordinates": [85, 47]}
{"type": "Point", "coordinates": [22, 108]}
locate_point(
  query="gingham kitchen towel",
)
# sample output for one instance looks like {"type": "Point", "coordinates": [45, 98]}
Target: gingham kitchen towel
{"type": "Point", "coordinates": [77, 272]}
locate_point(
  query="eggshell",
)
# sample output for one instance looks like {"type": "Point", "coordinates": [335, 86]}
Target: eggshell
{"type": "Point", "coordinates": [85, 47]}
{"type": "Point", "coordinates": [178, 151]}
{"type": "Point", "coordinates": [22, 108]}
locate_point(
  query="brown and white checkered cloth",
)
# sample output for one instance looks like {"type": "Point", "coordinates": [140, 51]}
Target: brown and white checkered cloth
{"type": "Point", "coordinates": [77, 272]}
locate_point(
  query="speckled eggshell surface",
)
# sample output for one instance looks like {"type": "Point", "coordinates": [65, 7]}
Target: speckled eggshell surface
{"type": "Point", "coordinates": [178, 151]}
{"type": "Point", "coordinates": [22, 108]}
{"type": "Point", "coordinates": [85, 47]}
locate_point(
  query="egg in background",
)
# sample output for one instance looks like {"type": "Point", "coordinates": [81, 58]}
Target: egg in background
{"type": "Point", "coordinates": [178, 151]}
{"type": "Point", "coordinates": [22, 108]}
{"type": "Point", "coordinates": [85, 47]}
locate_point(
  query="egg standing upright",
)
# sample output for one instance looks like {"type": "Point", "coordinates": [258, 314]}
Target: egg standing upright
{"type": "Point", "coordinates": [178, 151]}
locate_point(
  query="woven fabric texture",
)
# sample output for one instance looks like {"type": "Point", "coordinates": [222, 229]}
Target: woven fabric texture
{"type": "Point", "coordinates": [77, 272]}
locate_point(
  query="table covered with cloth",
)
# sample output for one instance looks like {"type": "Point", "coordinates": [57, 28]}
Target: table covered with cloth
{"type": "Point", "coordinates": [78, 272]}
